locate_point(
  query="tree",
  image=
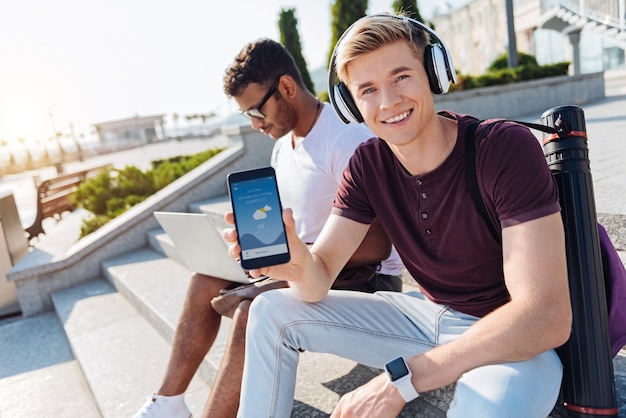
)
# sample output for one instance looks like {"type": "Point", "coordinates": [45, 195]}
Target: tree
{"type": "Point", "coordinates": [409, 7]}
{"type": "Point", "coordinates": [290, 38]}
{"type": "Point", "coordinates": [203, 118]}
{"type": "Point", "coordinates": [344, 13]}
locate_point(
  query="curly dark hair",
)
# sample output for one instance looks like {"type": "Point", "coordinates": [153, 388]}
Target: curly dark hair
{"type": "Point", "coordinates": [262, 62]}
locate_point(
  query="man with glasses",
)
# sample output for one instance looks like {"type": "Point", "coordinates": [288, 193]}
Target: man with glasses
{"type": "Point", "coordinates": [312, 149]}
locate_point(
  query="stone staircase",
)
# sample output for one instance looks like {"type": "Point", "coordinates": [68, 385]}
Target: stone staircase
{"type": "Point", "coordinates": [118, 293]}
{"type": "Point", "coordinates": [120, 326]}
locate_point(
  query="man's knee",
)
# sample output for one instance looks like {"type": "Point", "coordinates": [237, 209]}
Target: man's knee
{"type": "Point", "coordinates": [206, 286]}
{"type": "Point", "coordinates": [519, 389]}
{"type": "Point", "coordinates": [259, 305]}
{"type": "Point", "coordinates": [512, 407]}
{"type": "Point", "coordinates": [270, 308]}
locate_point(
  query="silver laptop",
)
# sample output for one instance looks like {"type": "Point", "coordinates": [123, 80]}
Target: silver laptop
{"type": "Point", "coordinates": [201, 245]}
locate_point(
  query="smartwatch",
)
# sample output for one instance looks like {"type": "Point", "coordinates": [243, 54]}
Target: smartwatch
{"type": "Point", "coordinates": [399, 375]}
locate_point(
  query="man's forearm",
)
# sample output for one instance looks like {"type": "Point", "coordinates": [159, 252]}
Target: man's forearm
{"type": "Point", "coordinates": [314, 283]}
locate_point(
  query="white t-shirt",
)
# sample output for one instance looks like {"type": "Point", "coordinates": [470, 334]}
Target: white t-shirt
{"type": "Point", "coordinates": [309, 174]}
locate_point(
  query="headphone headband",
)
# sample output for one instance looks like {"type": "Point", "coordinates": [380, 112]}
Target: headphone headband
{"type": "Point", "coordinates": [437, 62]}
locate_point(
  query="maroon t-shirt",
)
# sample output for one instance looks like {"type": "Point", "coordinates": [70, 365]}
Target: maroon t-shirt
{"type": "Point", "coordinates": [433, 221]}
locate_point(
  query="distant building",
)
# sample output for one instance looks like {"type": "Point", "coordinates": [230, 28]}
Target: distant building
{"type": "Point", "coordinates": [591, 35]}
{"type": "Point", "coordinates": [475, 34]}
{"type": "Point", "coordinates": [131, 132]}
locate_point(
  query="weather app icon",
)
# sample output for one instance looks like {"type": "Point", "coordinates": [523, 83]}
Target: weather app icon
{"type": "Point", "coordinates": [261, 213]}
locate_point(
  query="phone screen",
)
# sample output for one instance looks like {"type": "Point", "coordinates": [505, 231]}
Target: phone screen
{"type": "Point", "coordinates": [258, 218]}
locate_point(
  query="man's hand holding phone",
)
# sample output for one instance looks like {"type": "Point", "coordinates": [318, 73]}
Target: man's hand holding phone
{"type": "Point", "coordinates": [300, 254]}
{"type": "Point", "coordinates": [257, 215]}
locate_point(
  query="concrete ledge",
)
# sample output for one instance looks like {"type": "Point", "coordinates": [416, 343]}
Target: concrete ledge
{"type": "Point", "coordinates": [525, 98]}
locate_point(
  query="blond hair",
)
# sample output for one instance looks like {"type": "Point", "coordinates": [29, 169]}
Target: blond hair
{"type": "Point", "coordinates": [373, 32]}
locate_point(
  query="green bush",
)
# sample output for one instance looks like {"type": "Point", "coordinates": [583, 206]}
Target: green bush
{"type": "Point", "coordinates": [529, 72]}
{"type": "Point", "coordinates": [502, 61]}
{"type": "Point", "coordinates": [114, 191]}
{"type": "Point", "coordinates": [93, 193]}
{"type": "Point", "coordinates": [92, 223]}
{"type": "Point", "coordinates": [499, 73]}
{"type": "Point", "coordinates": [559, 68]}
{"type": "Point", "coordinates": [166, 171]}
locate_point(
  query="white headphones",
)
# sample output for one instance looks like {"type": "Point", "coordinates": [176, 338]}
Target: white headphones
{"type": "Point", "coordinates": [437, 62]}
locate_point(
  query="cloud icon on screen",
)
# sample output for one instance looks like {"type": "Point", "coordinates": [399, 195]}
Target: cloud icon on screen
{"type": "Point", "coordinates": [261, 213]}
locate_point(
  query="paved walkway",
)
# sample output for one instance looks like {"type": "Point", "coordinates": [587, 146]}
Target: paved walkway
{"type": "Point", "coordinates": [606, 130]}
{"type": "Point", "coordinates": [34, 352]}
{"type": "Point", "coordinates": [22, 184]}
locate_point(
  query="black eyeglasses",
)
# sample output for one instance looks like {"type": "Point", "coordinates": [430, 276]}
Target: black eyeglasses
{"type": "Point", "coordinates": [255, 112]}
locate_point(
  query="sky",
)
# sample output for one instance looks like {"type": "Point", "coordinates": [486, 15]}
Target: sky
{"type": "Point", "coordinates": [68, 64]}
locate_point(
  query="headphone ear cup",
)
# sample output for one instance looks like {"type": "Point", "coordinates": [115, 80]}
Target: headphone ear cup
{"type": "Point", "coordinates": [437, 69]}
{"type": "Point", "coordinates": [344, 105]}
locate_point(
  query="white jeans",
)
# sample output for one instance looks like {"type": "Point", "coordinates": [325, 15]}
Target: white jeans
{"type": "Point", "coordinates": [373, 329]}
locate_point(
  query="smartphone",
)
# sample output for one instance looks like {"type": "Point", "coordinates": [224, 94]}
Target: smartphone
{"type": "Point", "coordinates": [258, 218]}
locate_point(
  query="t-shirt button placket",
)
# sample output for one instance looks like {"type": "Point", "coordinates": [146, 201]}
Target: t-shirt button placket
{"type": "Point", "coordinates": [424, 196]}
{"type": "Point", "coordinates": [427, 231]}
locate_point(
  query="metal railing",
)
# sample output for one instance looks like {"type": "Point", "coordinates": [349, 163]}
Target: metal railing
{"type": "Point", "coordinates": [607, 12]}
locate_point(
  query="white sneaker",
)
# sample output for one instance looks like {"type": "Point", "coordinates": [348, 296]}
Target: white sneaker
{"type": "Point", "coordinates": [158, 406]}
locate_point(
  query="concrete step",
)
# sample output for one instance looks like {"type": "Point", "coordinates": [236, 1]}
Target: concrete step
{"type": "Point", "coordinates": [215, 208]}
{"type": "Point", "coordinates": [159, 241]}
{"type": "Point", "coordinates": [156, 286]}
{"type": "Point", "coordinates": [39, 376]}
{"type": "Point", "coordinates": [120, 353]}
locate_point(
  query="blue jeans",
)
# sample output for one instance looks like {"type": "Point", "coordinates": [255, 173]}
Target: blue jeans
{"type": "Point", "coordinates": [373, 329]}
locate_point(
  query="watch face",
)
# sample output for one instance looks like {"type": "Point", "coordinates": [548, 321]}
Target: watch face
{"type": "Point", "coordinates": [396, 369]}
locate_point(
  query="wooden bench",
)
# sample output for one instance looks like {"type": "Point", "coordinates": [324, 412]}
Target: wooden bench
{"type": "Point", "coordinates": [54, 197]}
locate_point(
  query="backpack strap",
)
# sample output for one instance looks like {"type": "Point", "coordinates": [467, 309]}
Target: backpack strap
{"type": "Point", "coordinates": [471, 145]}
{"type": "Point", "coordinates": [472, 142]}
